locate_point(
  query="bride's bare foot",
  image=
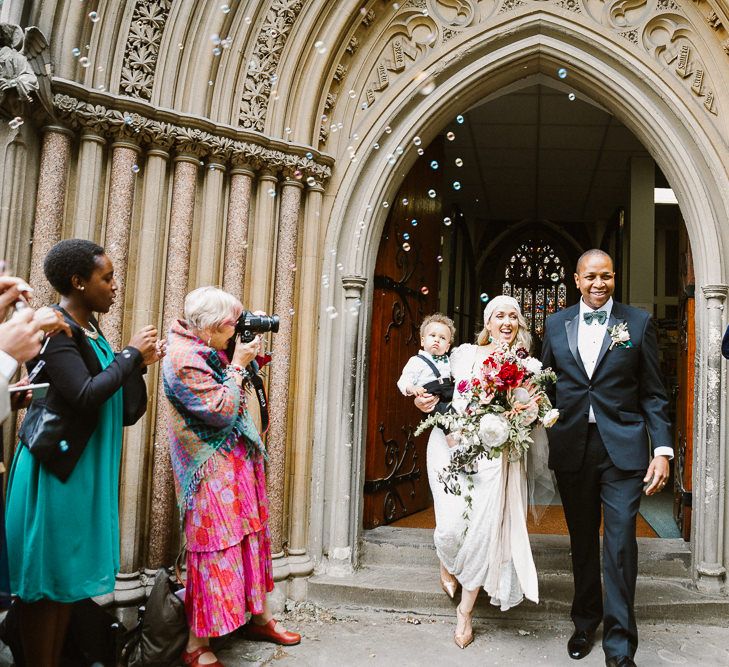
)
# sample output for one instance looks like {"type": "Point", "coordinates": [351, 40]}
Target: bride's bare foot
{"type": "Point", "coordinates": [448, 582]}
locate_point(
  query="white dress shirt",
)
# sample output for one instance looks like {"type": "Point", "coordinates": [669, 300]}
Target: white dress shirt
{"type": "Point", "coordinates": [417, 373]}
{"type": "Point", "coordinates": [589, 342]}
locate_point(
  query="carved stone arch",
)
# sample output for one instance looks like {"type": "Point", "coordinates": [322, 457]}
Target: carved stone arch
{"type": "Point", "coordinates": [685, 144]}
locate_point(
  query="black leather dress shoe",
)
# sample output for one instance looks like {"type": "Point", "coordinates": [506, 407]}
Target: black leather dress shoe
{"type": "Point", "coordinates": [580, 644]}
{"type": "Point", "coordinates": [620, 661]}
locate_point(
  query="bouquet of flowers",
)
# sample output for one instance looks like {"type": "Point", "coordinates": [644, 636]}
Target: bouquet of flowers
{"type": "Point", "coordinates": [505, 400]}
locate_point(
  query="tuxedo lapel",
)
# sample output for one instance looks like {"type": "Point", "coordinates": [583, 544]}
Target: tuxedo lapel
{"type": "Point", "coordinates": [571, 327]}
{"type": "Point", "coordinates": [615, 318]}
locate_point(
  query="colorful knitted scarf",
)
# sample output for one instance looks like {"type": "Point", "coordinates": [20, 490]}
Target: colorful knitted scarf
{"type": "Point", "coordinates": [208, 412]}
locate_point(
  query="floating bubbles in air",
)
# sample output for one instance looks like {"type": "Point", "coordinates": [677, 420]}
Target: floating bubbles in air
{"type": "Point", "coordinates": [406, 247]}
{"type": "Point", "coordinates": [94, 17]}
{"type": "Point", "coordinates": [424, 290]}
{"type": "Point", "coordinates": [562, 73]}
{"type": "Point", "coordinates": [271, 192]}
{"type": "Point", "coordinates": [311, 181]}
{"type": "Point", "coordinates": [459, 162]}
{"type": "Point", "coordinates": [434, 164]}
{"type": "Point", "coordinates": [376, 146]}
{"type": "Point", "coordinates": [320, 47]}
{"type": "Point", "coordinates": [15, 123]}
{"type": "Point", "coordinates": [84, 61]}
{"type": "Point", "coordinates": [571, 97]}
{"type": "Point", "coordinates": [414, 222]}
{"type": "Point", "coordinates": [385, 204]}
{"type": "Point", "coordinates": [76, 52]}
{"type": "Point", "coordinates": [450, 136]}
{"type": "Point", "coordinates": [399, 150]}
{"type": "Point", "coordinates": [456, 185]}
{"type": "Point", "coordinates": [363, 106]}
{"type": "Point", "coordinates": [247, 20]}
{"type": "Point", "coordinates": [217, 51]}
{"type": "Point", "coordinates": [391, 159]}
{"type": "Point", "coordinates": [352, 93]}
{"type": "Point", "coordinates": [554, 277]}
{"type": "Point", "coordinates": [439, 259]}
{"type": "Point", "coordinates": [406, 236]}
{"type": "Point", "coordinates": [225, 8]}
{"type": "Point", "coordinates": [447, 221]}
{"type": "Point", "coordinates": [417, 141]}
{"type": "Point", "coordinates": [127, 119]}
{"type": "Point", "coordinates": [432, 194]}
{"type": "Point", "coordinates": [421, 151]}
{"type": "Point", "coordinates": [332, 312]}
{"type": "Point", "coordinates": [308, 155]}
{"type": "Point", "coordinates": [484, 297]}
{"type": "Point", "coordinates": [405, 201]}
{"type": "Point", "coordinates": [388, 129]}
{"type": "Point", "coordinates": [135, 168]}
{"type": "Point", "coordinates": [459, 119]}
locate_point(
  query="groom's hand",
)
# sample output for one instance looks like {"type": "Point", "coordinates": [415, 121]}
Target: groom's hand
{"type": "Point", "coordinates": [657, 475]}
{"type": "Point", "coordinates": [426, 402]}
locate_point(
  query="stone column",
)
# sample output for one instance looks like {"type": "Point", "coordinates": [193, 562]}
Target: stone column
{"type": "Point", "coordinates": [306, 318]}
{"type": "Point", "coordinates": [281, 365]}
{"type": "Point", "coordinates": [710, 569]}
{"type": "Point", "coordinates": [176, 281]}
{"type": "Point", "coordinates": [49, 207]}
{"type": "Point", "coordinates": [236, 234]}
{"type": "Point", "coordinates": [89, 185]}
{"type": "Point", "coordinates": [260, 270]}
{"type": "Point", "coordinates": [341, 542]}
{"type": "Point", "coordinates": [145, 309]}
{"type": "Point", "coordinates": [118, 219]}
{"type": "Point", "coordinates": [210, 238]}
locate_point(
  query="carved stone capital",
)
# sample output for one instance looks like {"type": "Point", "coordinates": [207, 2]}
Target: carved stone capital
{"type": "Point", "coordinates": [353, 286]}
{"type": "Point", "coordinates": [714, 293]}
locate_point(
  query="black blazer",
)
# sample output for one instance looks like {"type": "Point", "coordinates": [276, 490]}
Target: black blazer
{"type": "Point", "coordinates": [79, 387]}
{"type": "Point", "coordinates": [626, 391]}
{"type": "Point", "coordinates": [725, 344]}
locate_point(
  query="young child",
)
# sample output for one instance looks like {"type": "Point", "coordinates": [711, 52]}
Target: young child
{"type": "Point", "coordinates": [429, 371]}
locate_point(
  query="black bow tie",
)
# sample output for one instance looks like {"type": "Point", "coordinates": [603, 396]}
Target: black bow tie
{"type": "Point", "coordinates": [597, 315]}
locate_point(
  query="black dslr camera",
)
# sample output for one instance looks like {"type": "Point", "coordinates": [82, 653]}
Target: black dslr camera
{"type": "Point", "coordinates": [248, 325]}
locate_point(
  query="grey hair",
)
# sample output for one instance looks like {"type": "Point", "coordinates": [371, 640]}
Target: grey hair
{"type": "Point", "coordinates": [207, 307]}
{"type": "Point", "coordinates": [523, 337]}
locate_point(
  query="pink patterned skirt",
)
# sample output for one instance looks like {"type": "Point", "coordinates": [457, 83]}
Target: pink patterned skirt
{"type": "Point", "coordinates": [229, 570]}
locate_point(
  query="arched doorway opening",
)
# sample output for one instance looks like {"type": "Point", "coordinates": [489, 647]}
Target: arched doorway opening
{"type": "Point", "coordinates": [476, 69]}
{"type": "Point", "coordinates": [549, 155]}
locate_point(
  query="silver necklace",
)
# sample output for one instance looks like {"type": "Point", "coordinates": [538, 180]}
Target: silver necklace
{"type": "Point", "coordinates": [93, 334]}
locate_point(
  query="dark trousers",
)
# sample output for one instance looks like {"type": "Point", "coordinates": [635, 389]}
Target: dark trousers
{"type": "Point", "coordinates": [600, 486]}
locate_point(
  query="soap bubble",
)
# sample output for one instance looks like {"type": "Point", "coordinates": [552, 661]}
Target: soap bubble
{"type": "Point", "coordinates": [406, 247]}
{"type": "Point", "coordinates": [15, 123]}
{"type": "Point", "coordinates": [456, 185]}
{"type": "Point", "coordinates": [571, 97]}
{"type": "Point", "coordinates": [388, 129]}
{"type": "Point", "coordinates": [353, 93]}
{"type": "Point", "coordinates": [432, 194]}
{"type": "Point", "coordinates": [76, 52]}
{"type": "Point", "coordinates": [417, 141]}
{"type": "Point", "coordinates": [320, 47]}
{"type": "Point", "coordinates": [414, 222]}
{"type": "Point", "coordinates": [421, 151]}
{"type": "Point", "coordinates": [406, 236]}
{"type": "Point", "coordinates": [311, 181]}
{"type": "Point", "coordinates": [405, 201]}
{"type": "Point", "coordinates": [424, 290]}
{"type": "Point", "coordinates": [94, 16]}
{"type": "Point", "coordinates": [554, 277]}
{"type": "Point", "coordinates": [439, 259]}
{"type": "Point", "coordinates": [391, 159]}
{"type": "Point", "coordinates": [247, 20]}
{"type": "Point", "coordinates": [434, 164]}
{"type": "Point", "coordinates": [385, 204]}
{"type": "Point", "coordinates": [459, 119]}
{"type": "Point", "coordinates": [459, 162]}
{"type": "Point", "coordinates": [376, 146]}
{"type": "Point", "coordinates": [450, 136]}
{"type": "Point", "coordinates": [84, 61]}
{"type": "Point", "coordinates": [309, 155]}
{"type": "Point", "coordinates": [447, 221]}
{"type": "Point", "coordinates": [484, 297]}
{"type": "Point", "coordinates": [562, 73]}
{"type": "Point", "coordinates": [225, 8]}
{"type": "Point", "coordinates": [271, 192]}
{"type": "Point", "coordinates": [399, 150]}
{"type": "Point", "coordinates": [135, 168]}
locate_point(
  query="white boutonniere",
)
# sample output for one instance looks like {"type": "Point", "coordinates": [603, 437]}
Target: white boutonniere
{"type": "Point", "coordinates": [620, 336]}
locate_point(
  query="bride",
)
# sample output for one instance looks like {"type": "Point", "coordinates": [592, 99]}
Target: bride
{"type": "Point", "coordinates": [490, 549]}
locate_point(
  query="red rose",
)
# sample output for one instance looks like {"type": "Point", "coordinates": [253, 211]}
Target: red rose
{"type": "Point", "coordinates": [510, 374]}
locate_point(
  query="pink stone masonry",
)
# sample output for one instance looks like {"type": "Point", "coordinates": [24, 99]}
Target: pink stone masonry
{"type": "Point", "coordinates": [236, 237]}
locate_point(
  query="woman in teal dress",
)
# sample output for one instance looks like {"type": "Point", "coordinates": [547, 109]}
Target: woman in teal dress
{"type": "Point", "coordinates": [62, 516]}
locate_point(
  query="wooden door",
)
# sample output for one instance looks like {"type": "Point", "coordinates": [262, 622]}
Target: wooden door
{"type": "Point", "coordinates": [406, 290]}
{"type": "Point", "coordinates": [684, 428]}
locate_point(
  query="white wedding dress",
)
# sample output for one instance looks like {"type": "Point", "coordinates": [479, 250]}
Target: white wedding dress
{"type": "Point", "coordinates": [495, 553]}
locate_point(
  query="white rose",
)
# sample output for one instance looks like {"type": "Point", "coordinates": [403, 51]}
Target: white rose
{"type": "Point", "coordinates": [493, 430]}
{"type": "Point", "coordinates": [550, 419]}
{"type": "Point", "coordinates": [533, 365]}
{"type": "Point", "coordinates": [623, 335]}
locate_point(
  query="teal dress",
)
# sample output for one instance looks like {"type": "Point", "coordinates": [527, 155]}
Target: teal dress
{"type": "Point", "coordinates": [63, 537]}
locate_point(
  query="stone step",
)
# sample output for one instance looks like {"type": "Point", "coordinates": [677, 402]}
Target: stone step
{"type": "Point", "coordinates": [402, 547]}
{"type": "Point", "coordinates": [417, 590]}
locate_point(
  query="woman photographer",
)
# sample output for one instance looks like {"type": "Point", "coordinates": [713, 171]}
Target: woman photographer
{"type": "Point", "coordinates": [218, 462]}
{"type": "Point", "coordinates": [63, 513]}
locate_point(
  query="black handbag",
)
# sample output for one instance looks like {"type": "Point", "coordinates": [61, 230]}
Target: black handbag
{"type": "Point", "coordinates": [161, 632]}
{"type": "Point", "coordinates": [42, 432]}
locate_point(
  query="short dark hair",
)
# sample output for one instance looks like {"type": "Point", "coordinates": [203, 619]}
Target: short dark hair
{"type": "Point", "coordinates": [593, 252]}
{"type": "Point", "coordinates": [72, 257]}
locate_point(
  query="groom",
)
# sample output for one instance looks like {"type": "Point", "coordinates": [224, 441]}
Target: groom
{"type": "Point", "coordinates": [613, 411]}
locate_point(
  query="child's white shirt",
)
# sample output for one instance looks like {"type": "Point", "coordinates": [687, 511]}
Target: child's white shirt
{"type": "Point", "coordinates": [416, 372]}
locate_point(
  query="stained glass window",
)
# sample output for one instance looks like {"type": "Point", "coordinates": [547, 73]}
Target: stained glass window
{"type": "Point", "coordinates": [535, 277]}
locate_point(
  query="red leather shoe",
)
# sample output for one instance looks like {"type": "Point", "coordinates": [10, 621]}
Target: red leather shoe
{"type": "Point", "coordinates": [268, 633]}
{"type": "Point", "coordinates": [190, 658]}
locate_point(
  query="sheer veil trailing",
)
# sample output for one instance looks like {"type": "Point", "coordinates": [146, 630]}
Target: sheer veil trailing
{"type": "Point", "coordinates": [540, 479]}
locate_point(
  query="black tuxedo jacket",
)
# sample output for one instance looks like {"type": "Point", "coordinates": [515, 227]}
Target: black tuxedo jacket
{"type": "Point", "coordinates": [79, 387]}
{"type": "Point", "coordinates": [626, 391]}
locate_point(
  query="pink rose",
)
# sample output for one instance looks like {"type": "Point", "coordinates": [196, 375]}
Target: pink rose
{"type": "Point", "coordinates": [463, 386]}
